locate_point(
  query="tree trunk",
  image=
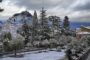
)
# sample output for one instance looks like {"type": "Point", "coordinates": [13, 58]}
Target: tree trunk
{"type": "Point", "coordinates": [15, 52]}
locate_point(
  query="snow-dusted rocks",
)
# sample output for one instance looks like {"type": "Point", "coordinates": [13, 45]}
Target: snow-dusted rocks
{"type": "Point", "coordinates": [45, 43]}
{"type": "Point", "coordinates": [21, 17]}
{"type": "Point", "coordinates": [15, 22]}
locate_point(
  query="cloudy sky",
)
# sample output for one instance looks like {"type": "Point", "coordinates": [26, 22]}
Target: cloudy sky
{"type": "Point", "coordinates": [77, 10]}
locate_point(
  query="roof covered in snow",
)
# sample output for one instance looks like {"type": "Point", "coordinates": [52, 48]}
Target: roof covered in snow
{"type": "Point", "coordinates": [83, 33]}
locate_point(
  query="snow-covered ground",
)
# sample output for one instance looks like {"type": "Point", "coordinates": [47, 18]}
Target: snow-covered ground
{"type": "Point", "coordinates": [49, 55]}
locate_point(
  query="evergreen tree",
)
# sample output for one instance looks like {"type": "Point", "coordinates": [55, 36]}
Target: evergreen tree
{"type": "Point", "coordinates": [44, 25]}
{"type": "Point", "coordinates": [26, 29]}
{"type": "Point", "coordinates": [8, 36]}
{"type": "Point", "coordinates": [35, 20]}
{"type": "Point", "coordinates": [56, 25]}
{"type": "Point", "coordinates": [66, 22]}
{"type": "Point", "coordinates": [26, 33]}
{"type": "Point", "coordinates": [55, 22]}
{"type": "Point", "coordinates": [44, 22]}
{"type": "Point", "coordinates": [35, 25]}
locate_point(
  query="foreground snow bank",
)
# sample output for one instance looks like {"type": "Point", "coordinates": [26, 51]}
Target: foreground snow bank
{"type": "Point", "coordinates": [50, 55]}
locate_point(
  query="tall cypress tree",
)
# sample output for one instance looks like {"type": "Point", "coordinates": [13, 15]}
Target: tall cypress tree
{"type": "Point", "coordinates": [66, 23]}
{"type": "Point", "coordinates": [35, 25]}
{"type": "Point", "coordinates": [35, 20]}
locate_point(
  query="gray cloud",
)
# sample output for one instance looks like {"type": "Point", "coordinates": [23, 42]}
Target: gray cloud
{"type": "Point", "coordinates": [82, 19]}
{"type": "Point", "coordinates": [76, 9]}
{"type": "Point", "coordinates": [83, 6]}
{"type": "Point", "coordinates": [37, 4]}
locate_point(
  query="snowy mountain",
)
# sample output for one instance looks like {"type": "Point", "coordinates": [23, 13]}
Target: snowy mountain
{"type": "Point", "coordinates": [21, 18]}
{"type": "Point", "coordinates": [16, 21]}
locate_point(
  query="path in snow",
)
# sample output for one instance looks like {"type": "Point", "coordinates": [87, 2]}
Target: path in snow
{"type": "Point", "coordinates": [50, 55]}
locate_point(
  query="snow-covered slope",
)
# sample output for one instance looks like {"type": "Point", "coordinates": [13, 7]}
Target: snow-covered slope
{"type": "Point", "coordinates": [21, 18]}
{"type": "Point", "coordinates": [50, 55]}
{"type": "Point", "coordinates": [16, 21]}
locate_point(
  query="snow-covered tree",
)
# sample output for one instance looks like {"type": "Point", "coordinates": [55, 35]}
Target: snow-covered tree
{"type": "Point", "coordinates": [44, 25]}
{"type": "Point", "coordinates": [34, 26]}
{"type": "Point", "coordinates": [55, 25]}
{"type": "Point", "coordinates": [85, 41]}
{"type": "Point", "coordinates": [25, 29]}
{"type": "Point", "coordinates": [17, 43]}
{"type": "Point", "coordinates": [8, 39]}
{"type": "Point", "coordinates": [25, 32]}
{"type": "Point", "coordinates": [8, 36]}
{"type": "Point", "coordinates": [6, 45]}
{"type": "Point", "coordinates": [43, 19]}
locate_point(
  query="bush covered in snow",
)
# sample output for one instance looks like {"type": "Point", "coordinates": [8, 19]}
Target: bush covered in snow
{"type": "Point", "coordinates": [10, 41]}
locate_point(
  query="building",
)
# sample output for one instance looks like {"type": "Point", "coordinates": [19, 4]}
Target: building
{"type": "Point", "coordinates": [83, 31]}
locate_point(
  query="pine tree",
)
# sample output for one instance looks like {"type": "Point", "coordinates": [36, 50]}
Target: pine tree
{"type": "Point", "coordinates": [56, 22]}
{"type": "Point", "coordinates": [35, 25]}
{"type": "Point", "coordinates": [25, 31]}
{"type": "Point", "coordinates": [0, 7]}
{"type": "Point", "coordinates": [56, 25]}
{"type": "Point", "coordinates": [44, 25]}
{"type": "Point", "coordinates": [35, 20]}
{"type": "Point", "coordinates": [66, 22]}
{"type": "Point", "coordinates": [43, 19]}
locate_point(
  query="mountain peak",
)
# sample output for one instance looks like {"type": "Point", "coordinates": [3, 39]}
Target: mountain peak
{"type": "Point", "coordinates": [25, 13]}
{"type": "Point", "coordinates": [20, 17]}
